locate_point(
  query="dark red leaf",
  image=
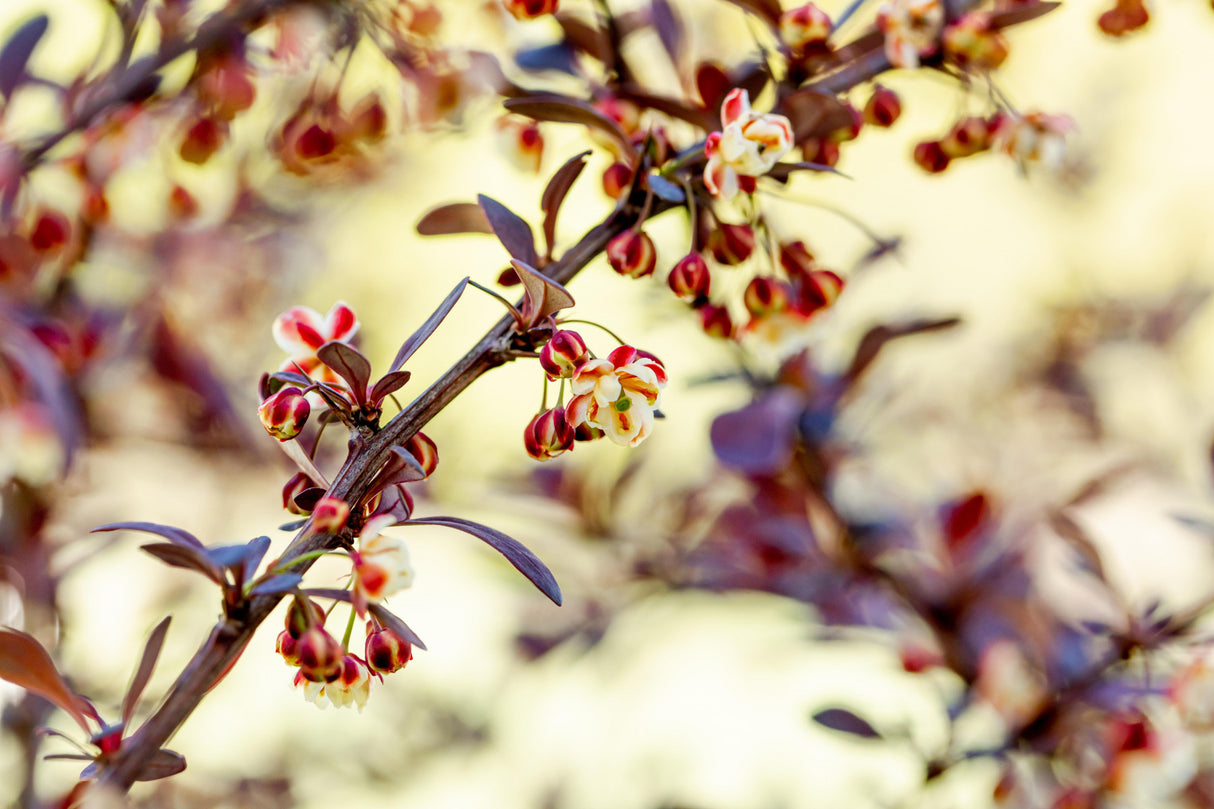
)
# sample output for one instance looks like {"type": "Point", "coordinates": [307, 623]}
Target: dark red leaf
{"type": "Point", "coordinates": [515, 552]}
{"type": "Point", "coordinates": [401, 467]}
{"type": "Point", "coordinates": [187, 558]}
{"type": "Point", "coordinates": [281, 583]}
{"type": "Point", "coordinates": [758, 439]}
{"type": "Point", "coordinates": [670, 29]}
{"type": "Point", "coordinates": [388, 383]}
{"type": "Point", "coordinates": [426, 329]}
{"type": "Point", "coordinates": [254, 553]}
{"type": "Point", "coordinates": [875, 339]}
{"type": "Point", "coordinates": [782, 171]}
{"type": "Point", "coordinates": [769, 10]}
{"type": "Point", "coordinates": [585, 38]}
{"type": "Point", "coordinates": [147, 663]}
{"type": "Point", "coordinates": [177, 536]}
{"type": "Point", "coordinates": [308, 498]}
{"type": "Point", "coordinates": [511, 229]}
{"type": "Point", "coordinates": [25, 663]}
{"type": "Point", "coordinates": [349, 364]}
{"type": "Point", "coordinates": [813, 114]}
{"type": "Point", "coordinates": [17, 51]}
{"type": "Point", "coordinates": [555, 191]}
{"type": "Point", "coordinates": [845, 721]}
{"type": "Point", "coordinates": [394, 623]}
{"type": "Point", "coordinates": [161, 764]}
{"type": "Point", "coordinates": [712, 83]}
{"type": "Point", "coordinates": [458, 217]}
{"type": "Point", "coordinates": [568, 110]}
{"type": "Point", "coordinates": [708, 120]}
{"type": "Point", "coordinates": [1021, 13]}
{"type": "Point", "coordinates": [542, 295]}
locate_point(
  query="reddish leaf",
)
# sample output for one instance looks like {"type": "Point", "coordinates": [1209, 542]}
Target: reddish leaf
{"type": "Point", "coordinates": [769, 10]}
{"type": "Point", "coordinates": [758, 439]}
{"type": "Point", "coordinates": [394, 623]}
{"type": "Point", "coordinates": [511, 229]}
{"type": "Point", "coordinates": [782, 171]}
{"type": "Point", "coordinates": [147, 663]}
{"type": "Point", "coordinates": [875, 339]}
{"type": "Point", "coordinates": [813, 114]}
{"type": "Point", "coordinates": [187, 558]}
{"type": "Point", "coordinates": [388, 383]}
{"type": "Point", "coordinates": [161, 764]}
{"type": "Point", "coordinates": [585, 38]}
{"type": "Point", "coordinates": [542, 296]}
{"type": "Point", "coordinates": [426, 329]}
{"type": "Point", "coordinates": [516, 553]}
{"type": "Point", "coordinates": [670, 29]}
{"type": "Point", "coordinates": [458, 217]}
{"type": "Point", "coordinates": [555, 191]}
{"type": "Point", "coordinates": [401, 467]}
{"type": "Point", "coordinates": [282, 583]}
{"type": "Point", "coordinates": [178, 537]}
{"type": "Point", "coordinates": [17, 51]}
{"type": "Point", "coordinates": [349, 364]}
{"type": "Point", "coordinates": [1021, 13]}
{"type": "Point", "coordinates": [25, 663]}
{"type": "Point", "coordinates": [712, 83]}
{"type": "Point", "coordinates": [675, 108]}
{"type": "Point", "coordinates": [568, 110]}
{"type": "Point", "coordinates": [845, 721]}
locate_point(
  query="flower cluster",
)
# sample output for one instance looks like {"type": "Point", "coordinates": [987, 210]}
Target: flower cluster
{"type": "Point", "coordinates": [748, 146]}
{"type": "Point", "coordinates": [1032, 139]}
{"type": "Point", "coordinates": [911, 28]}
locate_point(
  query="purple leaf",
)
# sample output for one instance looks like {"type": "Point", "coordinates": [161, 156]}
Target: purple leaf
{"type": "Point", "coordinates": [665, 189]}
{"type": "Point", "coordinates": [185, 557]}
{"type": "Point", "coordinates": [457, 217]}
{"type": "Point", "coordinates": [147, 663]}
{"type": "Point", "coordinates": [568, 110]}
{"type": "Point", "coordinates": [228, 555]}
{"type": "Point", "coordinates": [875, 339]}
{"type": "Point", "coordinates": [511, 229]}
{"type": "Point", "coordinates": [555, 191]}
{"type": "Point", "coordinates": [758, 439]}
{"type": "Point", "coordinates": [388, 383]}
{"type": "Point", "coordinates": [308, 498]}
{"type": "Point", "coordinates": [178, 537]}
{"type": "Point", "coordinates": [670, 29]}
{"type": "Point", "coordinates": [845, 721]}
{"type": "Point", "coordinates": [1022, 13]}
{"type": "Point", "coordinates": [542, 296]}
{"type": "Point", "coordinates": [556, 56]}
{"type": "Point", "coordinates": [349, 364]}
{"type": "Point", "coordinates": [17, 51]}
{"type": "Point", "coordinates": [401, 467]}
{"type": "Point", "coordinates": [25, 663]}
{"type": "Point", "coordinates": [329, 592]}
{"type": "Point", "coordinates": [394, 623]}
{"type": "Point", "coordinates": [813, 114]}
{"type": "Point", "coordinates": [515, 552]}
{"type": "Point", "coordinates": [161, 764]}
{"type": "Point", "coordinates": [281, 583]}
{"type": "Point", "coordinates": [426, 329]}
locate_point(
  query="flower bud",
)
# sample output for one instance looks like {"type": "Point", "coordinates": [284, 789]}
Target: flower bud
{"type": "Point", "coordinates": [931, 157]}
{"type": "Point", "coordinates": [804, 27]}
{"type": "Point", "coordinates": [851, 130]}
{"type": "Point", "coordinates": [766, 296]}
{"type": "Point", "coordinates": [520, 140]}
{"type": "Point", "coordinates": [632, 253]}
{"type": "Point", "coordinates": [562, 354]}
{"type": "Point", "coordinates": [883, 107]}
{"type": "Point", "coordinates": [302, 615]}
{"type": "Point", "coordinates": [796, 259]}
{"type": "Point", "coordinates": [548, 435]}
{"type": "Point", "coordinates": [421, 447]}
{"type": "Point", "coordinates": [50, 232]}
{"type": "Point", "coordinates": [616, 179]}
{"type": "Point", "coordinates": [715, 321]}
{"type": "Point", "coordinates": [297, 485]}
{"type": "Point", "coordinates": [690, 278]}
{"type": "Point", "coordinates": [386, 651]}
{"type": "Point", "coordinates": [320, 655]}
{"type": "Point", "coordinates": [203, 139]}
{"type": "Point", "coordinates": [731, 244]}
{"type": "Point", "coordinates": [284, 414]}
{"type": "Point", "coordinates": [530, 9]}
{"type": "Point", "coordinates": [330, 515]}
{"type": "Point", "coordinates": [967, 137]}
{"type": "Point", "coordinates": [820, 289]}
{"type": "Point", "coordinates": [973, 42]}
{"type": "Point", "coordinates": [223, 83]}
{"type": "Point", "coordinates": [288, 647]}
{"type": "Point", "coordinates": [1124, 17]}
{"type": "Point", "coordinates": [823, 151]}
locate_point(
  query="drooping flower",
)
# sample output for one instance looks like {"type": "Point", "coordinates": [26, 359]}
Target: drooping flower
{"type": "Point", "coordinates": [301, 330]}
{"type": "Point", "coordinates": [618, 395]}
{"type": "Point", "coordinates": [386, 651]}
{"type": "Point", "coordinates": [748, 145]}
{"type": "Point", "coordinates": [1035, 138]}
{"type": "Point", "coordinates": [803, 27]}
{"type": "Point", "coordinates": [519, 139]}
{"type": "Point", "coordinates": [912, 30]}
{"type": "Point", "coordinates": [352, 686]}
{"type": "Point", "coordinates": [381, 564]}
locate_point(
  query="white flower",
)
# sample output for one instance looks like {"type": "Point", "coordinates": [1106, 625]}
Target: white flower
{"type": "Point", "coordinates": [748, 145]}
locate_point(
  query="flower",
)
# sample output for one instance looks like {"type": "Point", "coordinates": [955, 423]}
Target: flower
{"type": "Point", "coordinates": [319, 654]}
{"type": "Point", "coordinates": [530, 9]}
{"type": "Point", "coordinates": [352, 686]}
{"type": "Point", "coordinates": [301, 330]}
{"type": "Point", "coordinates": [973, 41]}
{"type": "Point", "coordinates": [912, 29]}
{"type": "Point", "coordinates": [690, 278]}
{"type": "Point", "coordinates": [386, 651]}
{"type": "Point", "coordinates": [1034, 138]}
{"type": "Point", "coordinates": [804, 27]}
{"type": "Point", "coordinates": [381, 564]}
{"type": "Point", "coordinates": [618, 395]}
{"type": "Point", "coordinates": [749, 144]}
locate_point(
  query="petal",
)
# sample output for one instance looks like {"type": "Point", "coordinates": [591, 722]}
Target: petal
{"type": "Point", "coordinates": [621, 356]}
{"type": "Point", "coordinates": [340, 323]}
{"type": "Point", "coordinates": [736, 105]}
{"type": "Point", "coordinates": [288, 330]}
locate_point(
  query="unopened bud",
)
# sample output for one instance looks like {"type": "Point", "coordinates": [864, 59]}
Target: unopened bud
{"type": "Point", "coordinates": [297, 485]}
{"type": "Point", "coordinates": [285, 413]}
{"type": "Point", "coordinates": [320, 655]}
{"type": "Point", "coordinates": [804, 27]}
{"type": "Point", "coordinates": [797, 260]}
{"type": "Point", "coordinates": [548, 435]}
{"type": "Point", "coordinates": [731, 244]}
{"type": "Point", "coordinates": [632, 253]}
{"type": "Point", "coordinates": [616, 179]}
{"type": "Point", "coordinates": [330, 515]}
{"type": "Point", "coordinates": [423, 448]}
{"type": "Point", "coordinates": [931, 157]}
{"type": "Point", "coordinates": [715, 321]}
{"type": "Point", "coordinates": [967, 137]}
{"type": "Point", "coordinates": [766, 296]}
{"type": "Point", "coordinates": [562, 354]}
{"type": "Point", "coordinates": [883, 107]}
{"type": "Point", "coordinates": [690, 278]}
{"type": "Point", "coordinates": [386, 651]}
{"type": "Point", "coordinates": [302, 615]}
{"type": "Point", "coordinates": [819, 290]}
{"type": "Point", "coordinates": [288, 647]}
{"type": "Point", "coordinates": [530, 9]}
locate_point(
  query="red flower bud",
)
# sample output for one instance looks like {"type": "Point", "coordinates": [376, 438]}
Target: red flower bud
{"type": "Point", "coordinates": [284, 414]}
{"type": "Point", "coordinates": [796, 259]}
{"type": "Point", "coordinates": [562, 354]}
{"type": "Point", "coordinates": [530, 9]}
{"type": "Point", "coordinates": [298, 484]}
{"type": "Point", "coordinates": [931, 156]}
{"type": "Point", "coordinates": [288, 647]}
{"type": "Point", "coordinates": [202, 140]}
{"type": "Point", "coordinates": [425, 451]}
{"type": "Point", "coordinates": [632, 253]}
{"type": "Point", "coordinates": [302, 615]}
{"type": "Point", "coordinates": [715, 321]}
{"type": "Point", "coordinates": [822, 151]}
{"type": "Point", "coordinates": [731, 244]}
{"type": "Point", "coordinates": [320, 655]}
{"type": "Point", "coordinates": [616, 179]}
{"type": "Point", "coordinates": [386, 651]}
{"type": "Point", "coordinates": [804, 27]}
{"type": "Point", "coordinates": [967, 137]}
{"type": "Point", "coordinates": [330, 515]}
{"type": "Point", "coordinates": [1124, 17]}
{"type": "Point", "coordinates": [883, 107]}
{"type": "Point", "coordinates": [765, 296]}
{"type": "Point", "coordinates": [50, 232]}
{"type": "Point", "coordinates": [548, 435]}
{"type": "Point", "coordinates": [690, 278]}
{"type": "Point", "coordinates": [819, 290]}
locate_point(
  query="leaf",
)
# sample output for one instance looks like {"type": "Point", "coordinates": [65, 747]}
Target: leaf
{"type": "Point", "coordinates": [782, 171]}
{"type": "Point", "coordinates": [394, 623]}
{"type": "Point", "coordinates": [457, 217]}
{"type": "Point", "coordinates": [511, 229]}
{"type": "Point", "coordinates": [712, 83]}
{"type": "Point", "coordinates": [25, 663]}
{"type": "Point", "coordinates": [329, 592]}
{"type": "Point", "coordinates": [426, 329]}
{"type": "Point", "coordinates": [542, 296]}
{"type": "Point", "coordinates": [568, 110]}
{"type": "Point", "coordinates": [665, 189]}
{"type": "Point", "coordinates": [845, 721]}
{"type": "Point", "coordinates": [813, 114]}
{"type": "Point", "coordinates": [769, 10]}
{"type": "Point", "coordinates": [1022, 13]}
{"type": "Point", "coordinates": [388, 383]}
{"type": "Point", "coordinates": [401, 467]}
{"type": "Point", "coordinates": [348, 363]}
{"type": "Point", "coordinates": [161, 764]}
{"type": "Point", "coordinates": [516, 553]}
{"type": "Point", "coordinates": [1077, 536]}
{"type": "Point", "coordinates": [228, 555]}
{"type": "Point", "coordinates": [675, 108]}
{"type": "Point", "coordinates": [874, 340]}
{"type": "Point", "coordinates": [143, 672]}
{"type": "Point", "coordinates": [758, 439]}
{"type": "Point", "coordinates": [585, 38]}
{"type": "Point", "coordinates": [281, 583]}
{"type": "Point", "coordinates": [17, 51]}
{"type": "Point", "coordinates": [183, 539]}
{"type": "Point", "coordinates": [670, 29]}
{"type": "Point", "coordinates": [560, 56]}
{"type": "Point", "coordinates": [256, 551]}
{"type": "Point", "coordinates": [555, 191]}
{"type": "Point", "coordinates": [187, 558]}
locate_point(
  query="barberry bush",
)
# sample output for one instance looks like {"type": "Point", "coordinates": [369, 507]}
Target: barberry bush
{"type": "Point", "coordinates": [657, 215]}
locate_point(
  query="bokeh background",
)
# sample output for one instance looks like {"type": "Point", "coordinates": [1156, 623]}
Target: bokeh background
{"type": "Point", "coordinates": [683, 698]}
